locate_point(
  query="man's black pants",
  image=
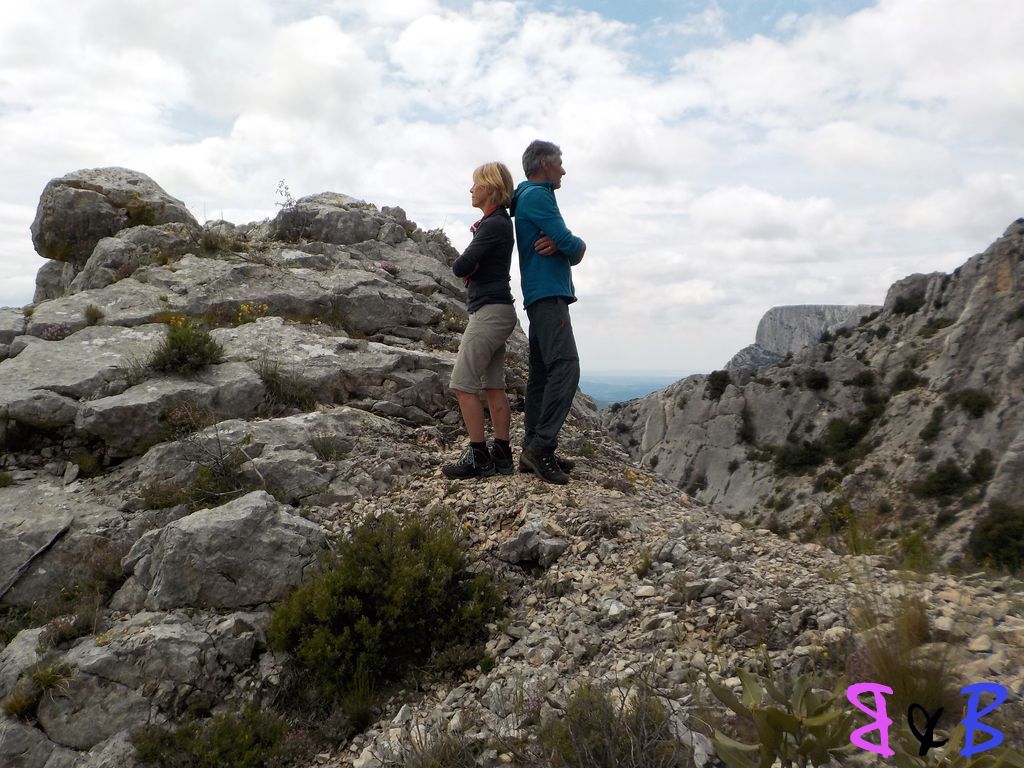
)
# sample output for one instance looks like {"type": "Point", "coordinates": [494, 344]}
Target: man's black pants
{"type": "Point", "coordinates": [554, 373]}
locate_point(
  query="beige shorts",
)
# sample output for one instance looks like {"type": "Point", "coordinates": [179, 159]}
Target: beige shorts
{"type": "Point", "coordinates": [481, 360]}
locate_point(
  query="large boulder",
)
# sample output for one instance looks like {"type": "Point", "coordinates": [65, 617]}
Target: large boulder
{"type": "Point", "coordinates": [77, 210]}
{"type": "Point", "coordinates": [248, 552]}
{"type": "Point", "coordinates": [333, 218]}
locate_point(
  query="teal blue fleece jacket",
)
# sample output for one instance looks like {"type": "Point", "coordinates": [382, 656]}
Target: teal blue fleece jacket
{"type": "Point", "coordinates": [536, 212]}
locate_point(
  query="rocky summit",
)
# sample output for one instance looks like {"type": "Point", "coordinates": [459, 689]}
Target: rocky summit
{"type": "Point", "coordinates": [159, 500]}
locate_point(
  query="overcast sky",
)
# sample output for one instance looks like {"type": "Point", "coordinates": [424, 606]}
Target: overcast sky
{"type": "Point", "coordinates": [722, 158]}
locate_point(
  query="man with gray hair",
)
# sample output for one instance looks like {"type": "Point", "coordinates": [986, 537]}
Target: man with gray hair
{"type": "Point", "coordinates": [547, 252]}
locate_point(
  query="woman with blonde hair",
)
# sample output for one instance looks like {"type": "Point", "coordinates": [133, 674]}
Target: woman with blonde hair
{"type": "Point", "coordinates": [480, 366]}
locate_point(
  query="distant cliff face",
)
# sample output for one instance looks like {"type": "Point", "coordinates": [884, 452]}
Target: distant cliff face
{"type": "Point", "coordinates": [911, 419]}
{"type": "Point", "coordinates": [785, 330]}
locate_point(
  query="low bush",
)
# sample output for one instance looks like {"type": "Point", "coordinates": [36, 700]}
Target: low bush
{"type": "Point", "coordinates": [746, 431]}
{"type": "Point", "coordinates": [947, 479]}
{"type": "Point", "coordinates": [799, 721]}
{"type": "Point", "coordinates": [247, 739]}
{"type": "Point", "coordinates": [43, 676]}
{"type": "Point", "coordinates": [865, 378]}
{"type": "Point", "coordinates": [974, 401]}
{"type": "Point", "coordinates": [449, 750]}
{"type": "Point", "coordinates": [998, 538]}
{"type": "Point", "coordinates": [908, 304]}
{"type": "Point", "coordinates": [5, 479]}
{"type": "Point", "coordinates": [907, 379]}
{"type": "Point", "coordinates": [816, 380]}
{"type": "Point", "coordinates": [186, 349]}
{"type": "Point", "coordinates": [397, 593]}
{"type": "Point", "coordinates": [798, 458]}
{"type": "Point", "coordinates": [328, 446]}
{"type": "Point", "coordinates": [716, 383]}
{"type": "Point", "coordinates": [933, 326]}
{"type": "Point", "coordinates": [284, 387]}
{"type": "Point", "coordinates": [93, 314]}
{"type": "Point", "coordinates": [600, 730]}
{"type": "Point", "coordinates": [934, 426]}
{"type": "Point", "coordinates": [982, 467]}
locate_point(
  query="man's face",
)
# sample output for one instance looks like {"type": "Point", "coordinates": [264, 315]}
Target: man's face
{"type": "Point", "coordinates": [553, 171]}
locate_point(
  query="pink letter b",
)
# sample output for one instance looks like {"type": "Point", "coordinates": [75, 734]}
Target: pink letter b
{"type": "Point", "coordinates": [881, 721]}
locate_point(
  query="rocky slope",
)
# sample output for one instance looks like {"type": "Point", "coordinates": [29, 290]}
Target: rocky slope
{"type": "Point", "coordinates": [909, 422]}
{"type": "Point", "coordinates": [338, 323]}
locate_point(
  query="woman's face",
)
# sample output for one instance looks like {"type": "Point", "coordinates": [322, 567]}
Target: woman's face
{"type": "Point", "coordinates": [481, 196]}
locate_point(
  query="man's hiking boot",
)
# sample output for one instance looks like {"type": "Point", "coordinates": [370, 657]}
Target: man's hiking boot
{"type": "Point", "coordinates": [544, 465]}
{"type": "Point", "coordinates": [502, 459]}
{"type": "Point", "coordinates": [472, 463]}
{"type": "Point", "coordinates": [566, 465]}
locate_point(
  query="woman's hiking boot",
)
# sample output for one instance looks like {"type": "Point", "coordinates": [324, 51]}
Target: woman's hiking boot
{"type": "Point", "coordinates": [502, 458]}
{"type": "Point", "coordinates": [472, 463]}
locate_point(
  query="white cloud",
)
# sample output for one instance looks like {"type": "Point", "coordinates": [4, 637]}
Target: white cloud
{"type": "Point", "coordinates": [817, 161]}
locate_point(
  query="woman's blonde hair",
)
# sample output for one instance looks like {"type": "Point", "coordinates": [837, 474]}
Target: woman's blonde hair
{"type": "Point", "coordinates": [497, 178]}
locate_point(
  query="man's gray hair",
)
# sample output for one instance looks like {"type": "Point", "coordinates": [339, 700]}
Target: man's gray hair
{"type": "Point", "coordinates": [538, 152]}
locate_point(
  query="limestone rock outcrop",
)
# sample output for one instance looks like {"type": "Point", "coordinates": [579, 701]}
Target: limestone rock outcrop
{"type": "Point", "coordinates": [915, 406]}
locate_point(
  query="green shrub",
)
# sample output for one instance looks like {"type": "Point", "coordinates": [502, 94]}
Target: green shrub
{"type": "Point", "coordinates": [448, 750]}
{"type": "Point", "coordinates": [933, 326]}
{"type": "Point", "coordinates": [882, 331]}
{"type": "Point", "coordinates": [798, 458]}
{"type": "Point", "coordinates": [5, 479]}
{"type": "Point", "coordinates": [842, 439]}
{"type": "Point", "coordinates": [248, 739]}
{"type": "Point", "coordinates": [596, 731]}
{"type": "Point", "coordinates": [746, 431]}
{"type": "Point", "coordinates": [397, 593]}
{"type": "Point", "coordinates": [816, 380]}
{"type": "Point", "coordinates": [88, 463]}
{"type": "Point", "coordinates": [908, 304]}
{"type": "Point", "coordinates": [907, 379]}
{"type": "Point", "coordinates": [983, 467]}
{"type": "Point", "coordinates": [43, 676]}
{"type": "Point", "coordinates": [934, 426]}
{"type": "Point", "coordinates": [798, 722]}
{"type": "Point", "coordinates": [998, 538]}
{"type": "Point", "coordinates": [328, 446]}
{"type": "Point", "coordinates": [947, 479]}
{"type": "Point", "coordinates": [865, 378]}
{"type": "Point", "coordinates": [717, 381]}
{"type": "Point", "coordinates": [284, 387]}
{"type": "Point", "coordinates": [186, 349]}
{"type": "Point", "coordinates": [974, 401]}
{"type": "Point", "coordinates": [733, 465]}
{"type": "Point", "coordinates": [915, 554]}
